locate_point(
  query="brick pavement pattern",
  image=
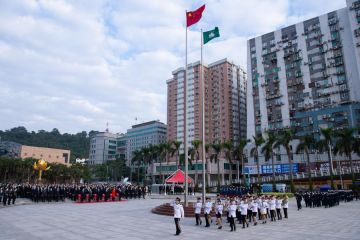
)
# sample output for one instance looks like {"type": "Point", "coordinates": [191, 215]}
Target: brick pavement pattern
{"type": "Point", "coordinates": [133, 220]}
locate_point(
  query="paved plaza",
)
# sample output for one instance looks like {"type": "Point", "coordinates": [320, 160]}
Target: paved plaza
{"type": "Point", "coordinates": [133, 220]}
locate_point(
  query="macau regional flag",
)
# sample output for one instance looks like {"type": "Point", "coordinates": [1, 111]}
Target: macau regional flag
{"type": "Point", "coordinates": [210, 35]}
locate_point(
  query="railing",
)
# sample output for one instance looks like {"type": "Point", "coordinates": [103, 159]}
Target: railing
{"type": "Point", "coordinates": [304, 175]}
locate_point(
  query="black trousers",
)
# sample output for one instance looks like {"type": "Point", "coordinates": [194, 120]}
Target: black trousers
{"type": "Point", "coordinates": [278, 213]}
{"type": "Point", "coordinates": [207, 220]}
{"type": "Point", "coordinates": [272, 215]}
{"type": "Point", "coordinates": [232, 223]}
{"type": "Point", "coordinates": [198, 220]}
{"type": "Point", "coordinates": [285, 212]}
{"type": "Point", "coordinates": [177, 225]}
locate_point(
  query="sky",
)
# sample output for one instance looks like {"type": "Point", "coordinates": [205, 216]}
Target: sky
{"type": "Point", "coordinates": [78, 65]}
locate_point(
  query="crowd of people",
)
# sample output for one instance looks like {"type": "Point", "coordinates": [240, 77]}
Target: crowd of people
{"type": "Point", "coordinates": [76, 192]}
{"type": "Point", "coordinates": [324, 199]}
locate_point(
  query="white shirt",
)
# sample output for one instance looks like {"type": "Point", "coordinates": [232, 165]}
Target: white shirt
{"type": "Point", "coordinates": [244, 208]}
{"type": "Point", "coordinates": [254, 207]}
{"type": "Point", "coordinates": [178, 211]}
{"type": "Point", "coordinates": [232, 210]}
{"type": "Point", "coordinates": [272, 204]}
{"type": "Point", "coordinates": [219, 208]}
{"type": "Point", "coordinates": [208, 206]}
{"type": "Point", "coordinates": [278, 203]}
{"type": "Point", "coordinates": [285, 204]}
{"type": "Point", "coordinates": [198, 207]}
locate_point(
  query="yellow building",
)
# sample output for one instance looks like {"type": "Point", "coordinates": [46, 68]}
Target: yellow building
{"type": "Point", "coordinates": [51, 155]}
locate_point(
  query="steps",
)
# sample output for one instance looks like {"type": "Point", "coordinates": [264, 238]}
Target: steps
{"type": "Point", "coordinates": [167, 210]}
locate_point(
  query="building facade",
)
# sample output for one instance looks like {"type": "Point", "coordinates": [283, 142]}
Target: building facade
{"type": "Point", "coordinates": [51, 155]}
{"type": "Point", "coordinates": [225, 111]}
{"type": "Point", "coordinates": [306, 76]}
{"type": "Point", "coordinates": [225, 103]}
{"type": "Point", "coordinates": [307, 67]}
{"type": "Point", "coordinates": [103, 147]}
{"type": "Point", "coordinates": [121, 146]}
{"type": "Point", "coordinates": [144, 134]}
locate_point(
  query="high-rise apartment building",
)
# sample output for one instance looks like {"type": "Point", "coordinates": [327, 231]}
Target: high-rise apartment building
{"type": "Point", "coordinates": [306, 75]}
{"type": "Point", "coordinates": [225, 103]}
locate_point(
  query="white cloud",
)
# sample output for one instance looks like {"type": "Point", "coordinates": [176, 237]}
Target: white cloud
{"type": "Point", "coordinates": [76, 65]}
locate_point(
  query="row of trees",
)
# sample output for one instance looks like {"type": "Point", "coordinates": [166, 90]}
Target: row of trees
{"type": "Point", "coordinates": [341, 142]}
{"type": "Point", "coordinates": [16, 170]}
{"type": "Point", "coordinates": [78, 143]}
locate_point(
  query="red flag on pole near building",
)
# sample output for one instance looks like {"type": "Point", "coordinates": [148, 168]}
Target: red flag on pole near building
{"type": "Point", "coordinates": [194, 16]}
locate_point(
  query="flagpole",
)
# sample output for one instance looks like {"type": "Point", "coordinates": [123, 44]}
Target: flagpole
{"type": "Point", "coordinates": [185, 122]}
{"type": "Point", "coordinates": [202, 79]}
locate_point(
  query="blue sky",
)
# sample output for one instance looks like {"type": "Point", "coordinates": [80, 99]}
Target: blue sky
{"type": "Point", "coordinates": [76, 65]}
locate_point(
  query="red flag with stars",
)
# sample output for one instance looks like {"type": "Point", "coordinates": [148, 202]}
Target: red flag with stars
{"type": "Point", "coordinates": [194, 16]}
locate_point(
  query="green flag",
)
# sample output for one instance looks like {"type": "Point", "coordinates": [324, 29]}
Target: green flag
{"type": "Point", "coordinates": [210, 35]}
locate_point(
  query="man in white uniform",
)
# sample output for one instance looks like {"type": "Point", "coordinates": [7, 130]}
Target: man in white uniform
{"type": "Point", "coordinates": [198, 206]}
{"type": "Point", "coordinates": [178, 214]}
{"type": "Point", "coordinates": [207, 211]}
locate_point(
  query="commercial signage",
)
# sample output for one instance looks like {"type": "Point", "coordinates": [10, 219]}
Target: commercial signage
{"type": "Point", "coordinates": [280, 168]}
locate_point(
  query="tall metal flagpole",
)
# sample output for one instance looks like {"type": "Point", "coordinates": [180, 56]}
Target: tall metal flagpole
{"type": "Point", "coordinates": [202, 79]}
{"type": "Point", "coordinates": [185, 122]}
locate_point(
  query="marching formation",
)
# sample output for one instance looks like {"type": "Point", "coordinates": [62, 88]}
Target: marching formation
{"type": "Point", "coordinates": [76, 192]}
{"type": "Point", "coordinates": [243, 210]}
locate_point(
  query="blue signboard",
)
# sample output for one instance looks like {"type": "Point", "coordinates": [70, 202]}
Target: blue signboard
{"type": "Point", "coordinates": [280, 168]}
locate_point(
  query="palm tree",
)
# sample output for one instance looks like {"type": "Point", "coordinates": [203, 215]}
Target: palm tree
{"type": "Point", "coordinates": [284, 139]}
{"type": "Point", "coordinates": [258, 141]}
{"type": "Point", "coordinates": [176, 149]}
{"type": "Point", "coordinates": [326, 145]}
{"type": "Point", "coordinates": [346, 144]}
{"type": "Point", "coordinates": [217, 147]}
{"type": "Point", "coordinates": [239, 153]}
{"type": "Point", "coordinates": [162, 155]}
{"type": "Point", "coordinates": [228, 146]}
{"type": "Point", "coordinates": [137, 158]}
{"type": "Point", "coordinates": [307, 142]}
{"type": "Point", "coordinates": [268, 151]}
{"type": "Point", "coordinates": [196, 145]}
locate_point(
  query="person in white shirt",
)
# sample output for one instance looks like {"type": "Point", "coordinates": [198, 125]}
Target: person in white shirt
{"type": "Point", "coordinates": [272, 207]}
{"type": "Point", "coordinates": [254, 207]}
{"type": "Point", "coordinates": [207, 211]}
{"type": "Point", "coordinates": [197, 207]}
{"type": "Point", "coordinates": [278, 203]}
{"type": "Point", "coordinates": [232, 215]}
{"type": "Point", "coordinates": [219, 207]}
{"type": "Point", "coordinates": [263, 211]}
{"type": "Point", "coordinates": [243, 211]}
{"type": "Point", "coordinates": [178, 214]}
{"type": "Point", "coordinates": [285, 205]}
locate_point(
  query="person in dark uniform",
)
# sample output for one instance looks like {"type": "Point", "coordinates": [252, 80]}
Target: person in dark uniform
{"type": "Point", "coordinates": [298, 200]}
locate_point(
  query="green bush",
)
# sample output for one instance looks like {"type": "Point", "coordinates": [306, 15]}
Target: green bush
{"type": "Point", "coordinates": [290, 195]}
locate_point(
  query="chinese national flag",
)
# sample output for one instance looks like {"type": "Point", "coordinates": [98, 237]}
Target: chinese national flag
{"type": "Point", "coordinates": [194, 16]}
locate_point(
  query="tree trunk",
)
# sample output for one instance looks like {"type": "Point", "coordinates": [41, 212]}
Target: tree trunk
{"type": "Point", "coordinates": [161, 175]}
{"type": "Point", "coordinates": [351, 168]}
{"type": "Point", "coordinates": [243, 170]}
{"type": "Point", "coordinates": [258, 167]}
{"type": "Point", "coordinates": [292, 187]}
{"type": "Point", "coordinates": [273, 172]}
{"type": "Point", "coordinates": [330, 169]}
{"type": "Point", "coordinates": [196, 174]}
{"type": "Point", "coordinates": [177, 160]}
{"type": "Point", "coordinates": [230, 172]}
{"type": "Point", "coordinates": [208, 178]}
{"type": "Point", "coordinates": [218, 174]}
{"type": "Point", "coordinates": [309, 170]}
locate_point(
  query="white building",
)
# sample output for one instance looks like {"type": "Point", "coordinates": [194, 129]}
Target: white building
{"type": "Point", "coordinates": [102, 147]}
